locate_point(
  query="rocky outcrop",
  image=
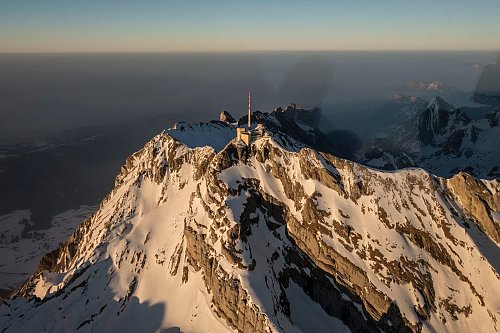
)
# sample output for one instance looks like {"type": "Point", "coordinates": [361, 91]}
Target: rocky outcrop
{"type": "Point", "coordinates": [231, 301]}
{"type": "Point", "coordinates": [434, 120]}
{"type": "Point", "coordinates": [226, 117]}
{"type": "Point", "coordinates": [478, 201]}
{"type": "Point", "coordinates": [310, 117]}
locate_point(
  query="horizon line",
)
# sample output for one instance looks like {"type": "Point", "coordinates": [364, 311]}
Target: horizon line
{"type": "Point", "coordinates": [246, 51]}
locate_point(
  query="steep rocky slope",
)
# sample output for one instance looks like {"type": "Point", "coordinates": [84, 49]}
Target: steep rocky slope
{"type": "Point", "coordinates": [272, 238]}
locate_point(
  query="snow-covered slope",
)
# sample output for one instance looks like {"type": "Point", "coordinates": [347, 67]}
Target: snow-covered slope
{"type": "Point", "coordinates": [271, 238]}
{"type": "Point", "coordinates": [443, 140]}
{"type": "Point", "coordinates": [215, 134]}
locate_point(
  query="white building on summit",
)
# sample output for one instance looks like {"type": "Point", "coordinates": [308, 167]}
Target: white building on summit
{"type": "Point", "coordinates": [247, 135]}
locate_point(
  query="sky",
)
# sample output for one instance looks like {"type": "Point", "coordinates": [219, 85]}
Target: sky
{"type": "Point", "coordinates": [272, 25]}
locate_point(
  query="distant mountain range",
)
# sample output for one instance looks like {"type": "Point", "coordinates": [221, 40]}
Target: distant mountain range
{"type": "Point", "coordinates": [437, 137]}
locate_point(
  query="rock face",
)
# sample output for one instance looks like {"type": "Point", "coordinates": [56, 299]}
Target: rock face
{"type": "Point", "coordinates": [270, 238]}
{"type": "Point", "coordinates": [309, 117]}
{"type": "Point", "coordinates": [434, 120]}
{"type": "Point", "coordinates": [478, 200]}
{"type": "Point", "coordinates": [297, 128]}
{"type": "Point", "coordinates": [226, 117]}
{"type": "Point", "coordinates": [443, 140]}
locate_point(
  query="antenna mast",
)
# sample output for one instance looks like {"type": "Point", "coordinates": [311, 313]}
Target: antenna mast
{"type": "Point", "coordinates": [249, 110]}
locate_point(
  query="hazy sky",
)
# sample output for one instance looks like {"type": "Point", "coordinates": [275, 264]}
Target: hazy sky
{"type": "Point", "coordinates": [139, 26]}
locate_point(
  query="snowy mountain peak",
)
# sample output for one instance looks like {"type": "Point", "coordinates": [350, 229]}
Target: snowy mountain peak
{"type": "Point", "coordinates": [293, 126]}
{"type": "Point", "coordinates": [270, 238]}
{"type": "Point", "coordinates": [438, 118]}
{"type": "Point", "coordinates": [437, 103]}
